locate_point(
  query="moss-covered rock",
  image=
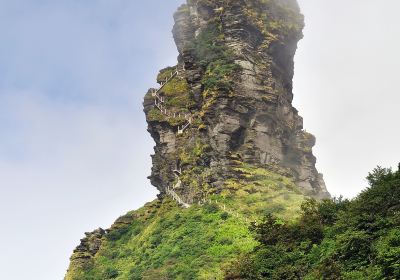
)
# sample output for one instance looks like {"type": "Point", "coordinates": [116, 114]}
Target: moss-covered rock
{"type": "Point", "coordinates": [163, 241]}
{"type": "Point", "coordinates": [243, 152]}
{"type": "Point", "coordinates": [237, 58]}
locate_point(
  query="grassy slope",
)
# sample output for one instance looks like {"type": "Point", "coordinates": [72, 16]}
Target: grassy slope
{"type": "Point", "coordinates": [338, 240]}
{"type": "Point", "coordinates": [164, 241]}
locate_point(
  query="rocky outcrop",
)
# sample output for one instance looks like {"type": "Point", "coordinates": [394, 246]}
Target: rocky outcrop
{"type": "Point", "coordinates": [86, 250]}
{"type": "Point", "coordinates": [237, 84]}
{"type": "Point", "coordinates": [84, 254]}
{"type": "Point", "coordinates": [243, 142]}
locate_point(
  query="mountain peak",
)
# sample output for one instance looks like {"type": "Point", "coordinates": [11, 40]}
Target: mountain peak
{"type": "Point", "coordinates": [230, 148]}
{"type": "Point", "coordinates": [228, 101]}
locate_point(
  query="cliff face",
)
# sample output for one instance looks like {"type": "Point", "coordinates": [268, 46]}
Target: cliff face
{"type": "Point", "coordinates": [235, 86]}
{"type": "Point", "coordinates": [230, 147]}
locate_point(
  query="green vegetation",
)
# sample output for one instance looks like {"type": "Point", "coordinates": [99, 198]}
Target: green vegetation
{"type": "Point", "coordinates": [177, 98]}
{"type": "Point", "coordinates": [216, 59]}
{"type": "Point", "coordinates": [339, 239]}
{"type": "Point", "coordinates": [194, 159]}
{"type": "Point", "coordinates": [298, 238]}
{"type": "Point", "coordinates": [275, 19]}
{"type": "Point", "coordinates": [164, 241]}
{"type": "Point", "coordinates": [176, 90]}
{"type": "Point", "coordinates": [257, 192]}
{"type": "Point", "coordinates": [194, 153]}
{"type": "Point", "coordinates": [167, 242]}
{"type": "Point", "coordinates": [292, 237]}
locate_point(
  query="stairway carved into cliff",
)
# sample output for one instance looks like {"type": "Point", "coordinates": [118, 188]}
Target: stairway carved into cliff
{"type": "Point", "coordinates": [159, 102]}
{"type": "Point", "coordinates": [229, 100]}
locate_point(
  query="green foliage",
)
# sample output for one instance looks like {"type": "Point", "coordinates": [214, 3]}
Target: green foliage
{"type": "Point", "coordinates": [215, 58]}
{"type": "Point", "coordinates": [218, 74]}
{"type": "Point", "coordinates": [256, 192]}
{"type": "Point", "coordinates": [117, 234]}
{"type": "Point", "coordinates": [164, 241]}
{"type": "Point", "coordinates": [224, 216]}
{"type": "Point", "coordinates": [177, 98]}
{"type": "Point", "coordinates": [194, 153]}
{"type": "Point", "coordinates": [110, 273]}
{"type": "Point", "coordinates": [388, 253]}
{"type": "Point", "coordinates": [275, 18]}
{"type": "Point", "coordinates": [173, 243]}
{"type": "Point", "coordinates": [155, 115]}
{"type": "Point", "coordinates": [332, 239]}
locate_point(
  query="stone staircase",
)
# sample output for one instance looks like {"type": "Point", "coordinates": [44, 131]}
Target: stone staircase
{"type": "Point", "coordinates": [159, 102]}
{"type": "Point", "coordinates": [170, 191]}
{"type": "Point", "coordinates": [228, 210]}
{"type": "Point", "coordinates": [182, 128]}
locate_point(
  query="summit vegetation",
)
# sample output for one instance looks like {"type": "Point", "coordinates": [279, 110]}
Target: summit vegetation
{"type": "Point", "coordinates": [329, 239]}
{"type": "Point", "coordinates": [165, 241]}
{"type": "Point", "coordinates": [332, 239]}
{"type": "Point", "coordinates": [231, 150]}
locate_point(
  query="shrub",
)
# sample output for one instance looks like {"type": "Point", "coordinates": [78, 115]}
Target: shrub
{"type": "Point", "coordinates": [332, 239]}
{"type": "Point", "coordinates": [211, 208]}
{"type": "Point", "coordinates": [224, 216]}
{"type": "Point", "coordinates": [110, 273]}
{"type": "Point", "coordinates": [215, 58]}
{"type": "Point", "coordinates": [117, 233]}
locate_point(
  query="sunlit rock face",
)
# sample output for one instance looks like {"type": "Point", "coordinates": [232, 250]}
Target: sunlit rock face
{"type": "Point", "coordinates": [235, 80]}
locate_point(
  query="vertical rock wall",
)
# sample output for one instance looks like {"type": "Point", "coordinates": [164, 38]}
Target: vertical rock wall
{"type": "Point", "coordinates": [237, 57]}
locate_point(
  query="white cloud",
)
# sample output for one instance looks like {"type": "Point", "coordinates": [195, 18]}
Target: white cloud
{"type": "Point", "coordinates": [79, 170]}
{"type": "Point", "coordinates": [345, 87]}
{"type": "Point", "coordinates": [74, 151]}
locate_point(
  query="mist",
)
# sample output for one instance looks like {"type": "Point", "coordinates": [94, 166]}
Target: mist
{"type": "Point", "coordinates": [345, 87]}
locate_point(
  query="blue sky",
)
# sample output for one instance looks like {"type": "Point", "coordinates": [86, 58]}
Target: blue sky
{"type": "Point", "coordinates": [74, 151]}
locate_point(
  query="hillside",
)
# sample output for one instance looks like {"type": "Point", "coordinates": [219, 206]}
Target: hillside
{"type": "Point", "coordinates": [230, 148]}
{"type": "Point", "coordinates": [340, 239]}
{"type": "Point", "coordinates": [164, 241]}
